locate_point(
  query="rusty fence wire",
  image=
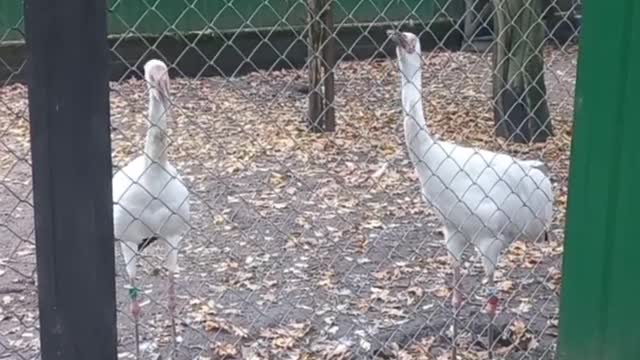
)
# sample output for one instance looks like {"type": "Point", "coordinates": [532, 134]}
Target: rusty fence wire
{"type": "Point", "coordinates": [305, 244]}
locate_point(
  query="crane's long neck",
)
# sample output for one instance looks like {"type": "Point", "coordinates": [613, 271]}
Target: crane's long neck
{"type": "Point", "coordinates": [417, 136]}
{"type": "Point", "coordinates": [155, 146]}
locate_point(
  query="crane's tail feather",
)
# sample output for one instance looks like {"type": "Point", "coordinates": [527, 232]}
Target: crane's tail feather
{"type": "Point", "coordinates": [144, 243]}
{"type": "Point", "coordinates": [538, 165]}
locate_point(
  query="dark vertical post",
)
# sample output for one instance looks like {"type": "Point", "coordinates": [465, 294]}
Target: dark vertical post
{"type": "Point", "coordinates": [329, 55]}
{"type": "Point", "coordinates": [316, 123]}
{"type": "Point", "coordinates": [71, 157]}
{"type": "Point", "coordinates": [469, 18]}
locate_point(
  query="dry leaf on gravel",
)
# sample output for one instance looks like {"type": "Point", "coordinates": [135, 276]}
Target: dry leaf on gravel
{"type": "Point", "coordinates": [225, 350]}
{"type": "Point", "coordinates": [333, 350]}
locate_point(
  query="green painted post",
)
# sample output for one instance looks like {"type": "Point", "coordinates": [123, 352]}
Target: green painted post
{"type": "Point", "coordinates": [600, 305]}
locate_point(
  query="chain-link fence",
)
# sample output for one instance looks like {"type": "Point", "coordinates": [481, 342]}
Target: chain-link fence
{"type": "Point", "coordinates": [18, 294]}
{"type": "Point", "coordinates": [306, 245]}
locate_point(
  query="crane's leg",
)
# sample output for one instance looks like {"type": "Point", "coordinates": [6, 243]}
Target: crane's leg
{"type": "Point", "coordinates": [172, 308]}
{"type": "Point", "coordinates": [490, 251]}
{"type": "Point", "coordinates": [134, 294]}
{"type": "Point", "coordinates": [489, 260]}
{"type": "Point", "coordinates": [456, 302]}
{"type": "Point", "coordinates": [492, 305]}
{"type": "Point", "coordinates": [455, 245]}
{"type": "Point", "coordinates": [172, 266]}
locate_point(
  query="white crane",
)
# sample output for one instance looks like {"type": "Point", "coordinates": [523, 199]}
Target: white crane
{"type": "Point", "coordinates": [482, 198]}
{"type": "Point", "coordinates": [151, 202]}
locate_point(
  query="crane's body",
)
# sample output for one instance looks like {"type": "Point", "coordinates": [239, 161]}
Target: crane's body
{"type": "Point", "coordinates": [150, 201]}
{"type": "Point", "coordinates": [484, 196]}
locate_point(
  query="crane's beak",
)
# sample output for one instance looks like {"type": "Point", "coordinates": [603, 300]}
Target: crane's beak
{"type": "Point", "coordinates": [400, 40]}
{"type": "Point", "coordinates": [395, 36]}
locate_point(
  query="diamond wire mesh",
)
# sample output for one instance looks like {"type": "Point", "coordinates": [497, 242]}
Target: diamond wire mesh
{"type": "Point", "coordinates": [18, 296]}
{"type": "Point", "coordinates": [299, 246]}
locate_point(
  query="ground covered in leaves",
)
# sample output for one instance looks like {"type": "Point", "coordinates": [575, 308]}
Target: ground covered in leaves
{"type": "Point", "coordinates": [301, 247]}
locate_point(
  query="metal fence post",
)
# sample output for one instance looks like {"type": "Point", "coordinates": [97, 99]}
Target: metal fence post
{"type": "Point", "coordinates": [70, 139]}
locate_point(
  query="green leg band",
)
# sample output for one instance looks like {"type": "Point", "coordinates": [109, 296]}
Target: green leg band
{"type": "Point", "coordinates": [134, 292]}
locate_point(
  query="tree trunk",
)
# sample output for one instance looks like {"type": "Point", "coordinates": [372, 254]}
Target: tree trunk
{"type": "Point", "coordinates": [321, 54]}
{"type": "Point", "coordinates": [329, 62]}
{"type": "Point", "coordinates": [521, 112]}
{"type": "Point", "coordinates": [316, 123]}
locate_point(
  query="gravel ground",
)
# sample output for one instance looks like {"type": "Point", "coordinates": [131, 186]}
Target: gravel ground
{"type": "Point", "coordinates": [297, 251]}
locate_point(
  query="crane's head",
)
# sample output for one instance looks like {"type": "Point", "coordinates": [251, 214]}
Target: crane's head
{"type": "Point", "coordinates": [407, 47]}
{"type": "Point", "coordinates": [157, 76]}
